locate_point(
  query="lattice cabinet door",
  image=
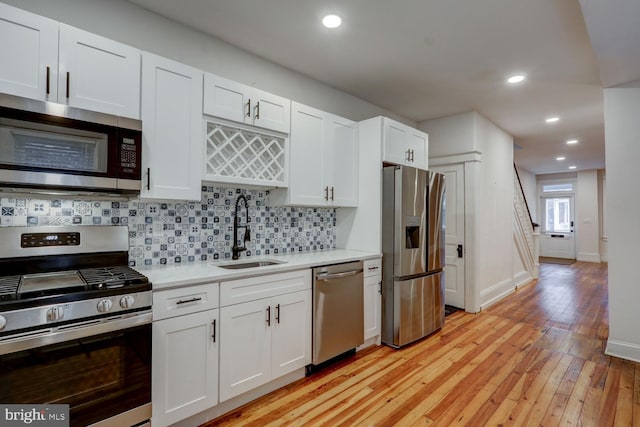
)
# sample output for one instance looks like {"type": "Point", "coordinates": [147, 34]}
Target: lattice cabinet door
{"type": "Point", "coordinates": [243, 156]}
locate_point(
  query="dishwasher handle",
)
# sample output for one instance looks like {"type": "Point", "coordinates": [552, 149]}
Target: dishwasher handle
{"type": "Point", "coordinates": [328, 276]}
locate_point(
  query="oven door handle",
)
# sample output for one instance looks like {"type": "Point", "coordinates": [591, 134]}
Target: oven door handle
{"type": "Point", "coordinates": [64, 333]}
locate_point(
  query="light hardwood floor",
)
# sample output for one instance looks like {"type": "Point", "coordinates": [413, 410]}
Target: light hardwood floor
{"type": "Point", "coordinates": [535, 358]}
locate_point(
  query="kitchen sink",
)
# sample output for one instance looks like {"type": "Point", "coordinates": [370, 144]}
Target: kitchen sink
{"type": "Point", "coordinates": [250, 264]}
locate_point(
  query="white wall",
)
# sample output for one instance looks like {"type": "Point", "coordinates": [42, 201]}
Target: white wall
{"type": "Point", "coordinates": [487, 154]}
{"type": "Point", "coordinates": [587, 226]}
{"type": "Point", "coordinates": [622, 151]}
{"type": "Point", "coordinates": [494, 211]}
{"type": "Point", "coordinates": [130, 24]}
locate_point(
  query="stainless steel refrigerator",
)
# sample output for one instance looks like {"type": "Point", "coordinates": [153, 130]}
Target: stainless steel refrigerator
{"type": "Point", "coordinates": [413, 254]}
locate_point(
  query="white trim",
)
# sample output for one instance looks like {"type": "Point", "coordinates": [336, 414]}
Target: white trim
{"type": "Point", "coordinates": [496, 292]}
{"type": "Point", "coordinates": [473, 156]}
{"type": "Point", "coordinates": [588, 257]}
{"type": "Point", "coordinates": [521, 279]}
{"type": "Point", "coordinates": [624, 350]}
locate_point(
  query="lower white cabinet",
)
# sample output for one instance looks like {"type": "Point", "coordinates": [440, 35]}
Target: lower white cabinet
{"type": "Point", "coordinates": [185, 366]}
{"type": "Point", "coordinates": [372, 298]}
{"type": "Point", "coordinates": [263, 340]}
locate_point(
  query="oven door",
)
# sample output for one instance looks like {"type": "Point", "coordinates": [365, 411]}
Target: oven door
{"type": "Point", "coordinates": [102, 371]}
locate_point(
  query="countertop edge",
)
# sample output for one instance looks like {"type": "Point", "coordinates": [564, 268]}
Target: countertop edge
{"type": "Point", "coordinates": [167, 277]}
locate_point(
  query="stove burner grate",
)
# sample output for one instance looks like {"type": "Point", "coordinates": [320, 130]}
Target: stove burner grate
{"type": "Point", "coordinates": [112, 277]}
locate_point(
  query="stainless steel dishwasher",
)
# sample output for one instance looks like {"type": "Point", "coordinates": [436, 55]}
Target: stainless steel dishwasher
{"type": "Point", "coordinates": [338, 310]}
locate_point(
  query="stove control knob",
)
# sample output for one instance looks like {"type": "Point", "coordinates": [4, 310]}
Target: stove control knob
{"type": "Point", "coordinates": [104, 305]}
{"type": "Point", "coordinates": [3, 322]}
{"type": "Point", "coordinates": [127, 301]}
{"type": "Point", "coordinates": [55, 313]}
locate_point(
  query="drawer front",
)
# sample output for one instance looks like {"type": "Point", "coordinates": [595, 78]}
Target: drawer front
{"type": "Point", "coordinates": [372, 267]}
{"type": "Point", "coordinates": [191, 299]}
{"type": "Point", "coordinates": [253, 288]}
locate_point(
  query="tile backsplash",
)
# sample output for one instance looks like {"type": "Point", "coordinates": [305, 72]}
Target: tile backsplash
{"type": "Point", "coordinates": [180, 232]}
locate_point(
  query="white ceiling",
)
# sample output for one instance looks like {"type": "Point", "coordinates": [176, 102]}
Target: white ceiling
{"type": "Point", "coordinates": [426, 59]}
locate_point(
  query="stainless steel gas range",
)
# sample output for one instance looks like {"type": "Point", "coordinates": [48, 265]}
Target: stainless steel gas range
{"type": "Point", "coordinates": [75, 324]}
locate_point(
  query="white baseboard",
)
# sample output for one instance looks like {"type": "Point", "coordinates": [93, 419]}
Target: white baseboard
{"type": "Point", "coordinates": [496, 292]}
{"type": "Point", "coordinates": [623, 350]}
{"type": "Point", "coordinates": [522, 279]}
{"type": "Point", "coordinates": [588, 257]}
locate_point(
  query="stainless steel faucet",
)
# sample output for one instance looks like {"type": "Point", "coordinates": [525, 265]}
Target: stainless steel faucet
{"type": "Point", "coordinates": [236, 224]}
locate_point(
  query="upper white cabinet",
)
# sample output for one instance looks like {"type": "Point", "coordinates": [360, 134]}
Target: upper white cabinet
{"type": "Point", "coordinates": [44, 60]}
{"type": "Point", "coordinates": [245, 104]}
{"type": "Point", "coordinates": [323, 165]}
{"type": "Point", "coordinates": [404, 145]}
{"type": "Point", "coordinates": [29, 52]}
{"type": "Point", "coordinates": [98, 74]}
{"type": "Point", "coordinates": [171, 129]}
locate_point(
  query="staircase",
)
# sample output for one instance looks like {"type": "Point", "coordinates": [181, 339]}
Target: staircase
{"type": "Point", "coordinates": [524, 231]}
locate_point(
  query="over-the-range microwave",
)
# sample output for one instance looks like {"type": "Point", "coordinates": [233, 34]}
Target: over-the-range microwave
{"type": "Point", "coordinates": [53, 147]}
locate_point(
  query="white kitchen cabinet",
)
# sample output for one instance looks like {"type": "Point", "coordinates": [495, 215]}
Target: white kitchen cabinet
{"type": "Point", "coordinates": [171, 129]}
{"type": "Point", "coordinates": [98, 74]}
{"type": "Point", "coordinates": [323, 160]}
{"type": "Point", "coordinates": [404, 145]}
{"type": "Point", "coordinates": [54, 62]}
{"type": "Point", "coordinates": [185, 352]}
{"type": "Point", "coordinates": [266, 338]}
{"type": "Point", "coordinates": [245, 104]}
{"type": "Point", "coordinates": [29, 52]}
{"type": "Point", "coordinates": [237, 154]}
{"type": "Point", "coordinates": [372, 298]}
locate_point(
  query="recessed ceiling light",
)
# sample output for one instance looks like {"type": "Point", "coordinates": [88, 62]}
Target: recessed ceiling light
{"type": "Point", "coordinates": [560, 158]}
{"type": "Point", "coordinates": [516, 78]}
{"type": "Point", "coordinates": [572, 141]}
{"type": "Point", "coordinates": [552, 119]}
{"type": "Point", "coordinates": [331, 21]}
{"type": "Point", "coordinates": [572, 167]}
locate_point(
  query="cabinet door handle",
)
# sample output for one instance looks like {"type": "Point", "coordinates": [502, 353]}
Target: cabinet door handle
{"type": "Point", "coordinates": [269, 316]}
{"type": "Point", "coordinates": [412, 156]}
{"type": "Point", "coordinates": [68, 84]}
{"type": "Point", "coordinates": [248, 114]}
{"type": "Point", "coordinates": [258, 110]}
{"type": "Point", "coordinates": [48, 80]}
{"type": "Point", "coordinates": [408, 156]}
{"type": "Point", "coordinates": [331, 192]}
{"type": "Point", "coordinates": [278, 313]}
{"type": "Point", "coordinates": [213, 334]}
{"type": "Point", "coordinates": [148, 179]}
{"type": "Point", "coordinates": [326, 193]}
{"type": "Point", "coordinates": [380, 287]}
{"type": "Point", "coordinates": [186, 301]}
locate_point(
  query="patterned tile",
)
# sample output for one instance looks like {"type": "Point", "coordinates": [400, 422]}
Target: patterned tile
{"type": "Point", "coordinates": [169, 233]}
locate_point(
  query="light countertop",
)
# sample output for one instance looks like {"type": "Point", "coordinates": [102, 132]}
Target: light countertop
{"type": "Point", "coordinates": [177, 275]}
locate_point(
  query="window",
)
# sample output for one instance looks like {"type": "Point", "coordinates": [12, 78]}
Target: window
{"type": "Point", "coordinates": [558, 215]}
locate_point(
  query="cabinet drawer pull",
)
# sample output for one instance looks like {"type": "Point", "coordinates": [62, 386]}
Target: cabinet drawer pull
{"type": "Point", "coordinates": [68, 84]}
{"type": "Point", "coordinates": [269, 316]}
{"type": "Point", "coordinates": [373, 267]}
{"type": "Point", "coordinates": [258, 110]}
{"type": "Point", "coordinates": [48, 80]}
{"type": "Point", "coordinates": [186, 301]}
{"type": "Point", "coordinates": [248, 113]}
{"type": "Point", "coordinates": [213, 334]}
{"type": "Point", "coordinates": [278, 313]}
